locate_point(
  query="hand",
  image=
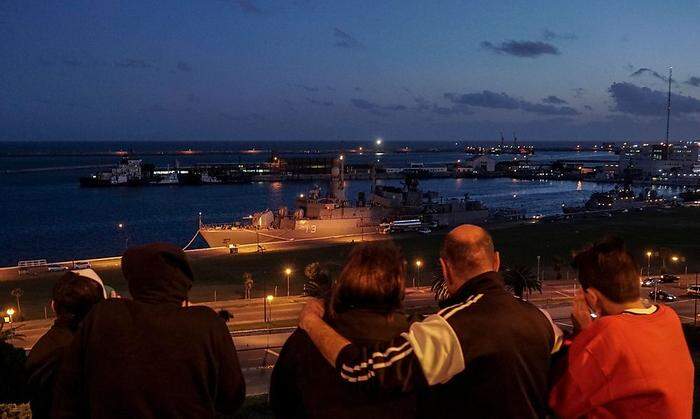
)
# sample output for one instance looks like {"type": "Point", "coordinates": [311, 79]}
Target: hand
{"type": "Point", "coordinates": [313, 310]}
{"type": "Point", "coordinates": [580, 312]}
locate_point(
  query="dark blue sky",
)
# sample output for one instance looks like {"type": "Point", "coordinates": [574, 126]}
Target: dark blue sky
{"type": "Point", "coordinates": [350, 70]}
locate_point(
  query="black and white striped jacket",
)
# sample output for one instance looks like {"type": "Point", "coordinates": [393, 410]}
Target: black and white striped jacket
{"type": "Point", "coordinates": [486, 354]}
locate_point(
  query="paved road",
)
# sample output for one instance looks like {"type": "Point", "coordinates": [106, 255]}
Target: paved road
{"type": "Point", "coordinates": [258, 352]}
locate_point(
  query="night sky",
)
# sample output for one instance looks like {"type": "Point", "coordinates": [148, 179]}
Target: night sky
{"type": "Point", "coordinates": [347, 70]}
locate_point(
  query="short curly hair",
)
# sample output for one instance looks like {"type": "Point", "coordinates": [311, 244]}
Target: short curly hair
{"type": "Point", "coordinates": [608, 267]}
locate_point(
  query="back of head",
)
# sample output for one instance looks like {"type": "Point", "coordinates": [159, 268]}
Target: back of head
{"type": "Point", "coordinates": [73, 297]}
{"type": "Point", "coordinates": [373, 278]}
{"type": "Point", "coordinates": [157, 273]}
{"type": "Point", "coordinates": [609, 268]}
{"type": "Point", "coordinates": [469, 251]}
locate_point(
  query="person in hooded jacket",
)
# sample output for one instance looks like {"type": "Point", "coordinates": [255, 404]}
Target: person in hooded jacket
{"type": "Point", "coordinates": [364, 306]}
{"type": "Point", "coordinates": [73, 297]}
{"type": "Point", "coordinates": [150, 357]}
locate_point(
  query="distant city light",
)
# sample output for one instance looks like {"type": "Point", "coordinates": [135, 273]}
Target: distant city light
{"type": "Point", "coordinates": [379, 141]}
{"type": "Point", "coordinates": [121, 225]}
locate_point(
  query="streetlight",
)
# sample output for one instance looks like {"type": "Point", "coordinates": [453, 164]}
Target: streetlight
{"type": "Point", "coordinates": [10, 312]}
{"type": "Point", "coordinates": [288, 272]}
{"type": "Point", "coordinates": [649, 253]}
{"type": "Point", "coordinates": [120, 227]}
{"type": "Point", "coordinates": [419, 263]}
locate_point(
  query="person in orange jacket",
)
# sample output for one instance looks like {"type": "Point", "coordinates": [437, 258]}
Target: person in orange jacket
{"type": "Point", "coordinates": [629, 358]}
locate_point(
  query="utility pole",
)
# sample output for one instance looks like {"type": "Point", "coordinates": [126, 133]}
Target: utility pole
{"type": "Point", "coordinates": [668, 110]}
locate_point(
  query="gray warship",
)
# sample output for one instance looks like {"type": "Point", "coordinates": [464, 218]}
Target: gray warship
{"type": "Point", "coordinates": [318, 216]}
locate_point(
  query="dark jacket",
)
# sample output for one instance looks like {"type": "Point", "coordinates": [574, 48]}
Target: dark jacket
{"type": "Point", "coordinates": [485, 355]}
{"type": "Point", "coordinates": [150, 357]}
{"type": "Point", "coordinates": [43, 363]}
{"type": "Point", "coordinates": [304, 385]}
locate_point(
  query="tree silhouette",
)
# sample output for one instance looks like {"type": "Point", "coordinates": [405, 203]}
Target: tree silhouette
{"type": "Point", "coordinates": [521, 279]}
{"type": "Point", "coordinates": [319, 280]}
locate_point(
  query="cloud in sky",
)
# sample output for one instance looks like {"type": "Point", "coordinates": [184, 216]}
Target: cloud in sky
{"type": "Point", "coordinates": [643, 101]}
{"type": "Point", "coordinates": [554, 100]}
{"type": "Point", "coordinates": [345, 40]}
{"type": "Point", "coordinates": [319, 102]}
{"type": "Point", "coordinates": [133, 63]}
{"type": "Point", "coordinates": [184, 66]}
{"type": "Point", "coordinates": [522, 49]}
{"type": "Point", "coordinates": [493, 100]}
{"type": "Point", "coordinates": [647, 71]}
{"type": "Point", "coordinates": [247, 6]}
{"type": "Point", "coordinates": [550, 35]}
{"type": "Point", "coordinates": [693, 81]}
{"type": "Point", "coordinates": [307, 88]}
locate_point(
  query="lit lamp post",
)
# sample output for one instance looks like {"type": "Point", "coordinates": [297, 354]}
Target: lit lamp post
{"type": "Point", "coordinates": [120, 228]}
{"type": "Point", "coordinates": [288, 272]}
{"type": "Point", "coordinates": [419, 264]}
{"type": "Point", "coordinates": [10, 312]}
{"type": "Point", "coordinates": [649, 253]}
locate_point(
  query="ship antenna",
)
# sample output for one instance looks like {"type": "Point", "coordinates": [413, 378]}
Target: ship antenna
{"type": "Point", "coordinates": [668, 107]}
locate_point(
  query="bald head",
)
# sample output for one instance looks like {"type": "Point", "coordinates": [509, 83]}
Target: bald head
{"type": "Point", "coordinates": [468, 251]}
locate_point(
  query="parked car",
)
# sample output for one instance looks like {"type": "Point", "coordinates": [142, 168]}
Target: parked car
{"type": "Point", "coordinates": [693, 291]}
{"type": "Point", "coordinates": [56, 267]}
{"type": "Point", "coordinates": [84, 264]}
{"type": "Point", "coordinates": [667, 278]}
{"type": "Point", "coordinates": [661, 295]}
{"type": "Point", "coordinates": [650, 282]}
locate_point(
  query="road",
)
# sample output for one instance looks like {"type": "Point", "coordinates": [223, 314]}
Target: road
{"type": "Point", "coordinates": [258, 351]}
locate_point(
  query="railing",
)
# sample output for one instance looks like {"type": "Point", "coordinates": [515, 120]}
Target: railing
{"type": "Point", "coordinates": [31, 263]}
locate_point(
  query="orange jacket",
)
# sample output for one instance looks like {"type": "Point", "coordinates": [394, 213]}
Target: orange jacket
{"type": "Point", "coordinates": [627, 366]}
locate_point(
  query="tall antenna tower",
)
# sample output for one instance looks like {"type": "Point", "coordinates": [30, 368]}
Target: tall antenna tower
{"type": "Point", "coordinates": [668, 107]}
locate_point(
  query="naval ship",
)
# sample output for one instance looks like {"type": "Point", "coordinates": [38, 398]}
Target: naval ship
{"type": "Point", "coordinates": [319, 216]}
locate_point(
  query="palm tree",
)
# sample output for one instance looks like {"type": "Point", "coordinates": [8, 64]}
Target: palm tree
{"type": "Point", "coordinates": [319, 280]}
{"type": "Point", "coordinates": [439, 287]}
{"type": "Point", "coordinates": [521, 279]}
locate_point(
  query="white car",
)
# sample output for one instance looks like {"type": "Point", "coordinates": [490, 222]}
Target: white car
{"type": "Point", "coordinates": [85, 264]}
{"type": "Point", "coordinates": [693, 290]}
{"type": "Point", "coordinates": [56, 267]}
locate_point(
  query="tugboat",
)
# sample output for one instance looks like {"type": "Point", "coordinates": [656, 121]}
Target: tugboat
{"type": "Point", "coordinates": [617, 199]}
{"type": "Point", "coordinates": [690, 195]}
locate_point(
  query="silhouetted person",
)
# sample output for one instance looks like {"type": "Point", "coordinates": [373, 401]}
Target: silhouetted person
{"type": "Point", "coordinates": [150, 357]}
{"type": "Point", "coordinates": [364, 306]}
{"type": "Point", "coordinates": [73, 297]}
{"type": "Point", "coordinates": [484, 354]}
{"type": "Point", "coordinates": [630, 361]}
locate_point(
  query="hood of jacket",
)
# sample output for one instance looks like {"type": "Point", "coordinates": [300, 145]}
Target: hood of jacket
{"type": "Point", "coordinates": [157, 273]}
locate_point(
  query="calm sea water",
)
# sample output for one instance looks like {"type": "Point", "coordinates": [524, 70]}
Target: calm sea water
{"type": "Point", "coordinates": [47, 214]}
